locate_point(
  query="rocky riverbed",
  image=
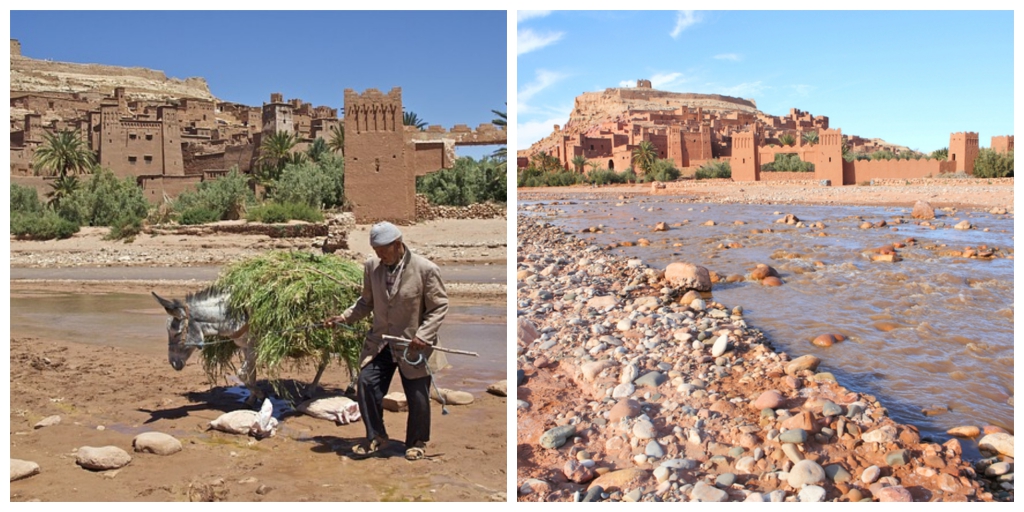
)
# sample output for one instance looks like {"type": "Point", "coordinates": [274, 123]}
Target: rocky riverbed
{"type": "Point", "coordinates": [635, 385]}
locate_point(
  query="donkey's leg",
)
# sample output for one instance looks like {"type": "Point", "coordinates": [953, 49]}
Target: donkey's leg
{"type": "Point", "coordinates": [353, 377]}
{"type": "Point", "coordinates": [325, 359]}
{"type": "Point", "coordinates": [249, 374]}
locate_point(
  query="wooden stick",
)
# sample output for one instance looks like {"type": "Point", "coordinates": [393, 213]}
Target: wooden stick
{"type": "Point", "coordinates": [388, 337]}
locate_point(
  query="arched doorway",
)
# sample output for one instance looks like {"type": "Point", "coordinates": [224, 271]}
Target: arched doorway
{"type": "Point", "coordinates": [611, 164]}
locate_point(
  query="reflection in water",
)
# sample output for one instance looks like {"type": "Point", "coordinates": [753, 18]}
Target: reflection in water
{"type": "Point", "coordinates": [929, 332]}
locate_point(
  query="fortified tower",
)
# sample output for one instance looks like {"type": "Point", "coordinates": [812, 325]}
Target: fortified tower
{"type": "Point", "coordinates": [830, 157]}
{"type": "Point", "coordinates": [963, 149]}
{"type": "Point", "coordinates": [746, 161]}
{"type": "Point", "coordinates": [15, 48]}
{"type": "Point", "coordinates": [1002, 143]}
{"type": "Point", "coordinates": [170, 125]}
{"type": "Point", "coordinates": [377, 180]}
{"type": "Point", "coordinates": [277, 115]}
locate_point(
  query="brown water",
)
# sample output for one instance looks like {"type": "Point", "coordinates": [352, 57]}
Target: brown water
{"type": "Point", "coordinates": [926, 333]}
{"type": "Point", "coordinates": [137, 322]}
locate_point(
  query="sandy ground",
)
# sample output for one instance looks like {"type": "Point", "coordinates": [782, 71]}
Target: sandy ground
{"type": "Point", "coordinates": [975, 193]}
{"type": "Point", "coordinates": [106, 396]}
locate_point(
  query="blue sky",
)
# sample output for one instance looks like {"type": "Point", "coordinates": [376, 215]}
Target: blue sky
{"type": "Point", "coordinates": [908, 77]}
{"type": "Point", "coordinates": [451, 65]}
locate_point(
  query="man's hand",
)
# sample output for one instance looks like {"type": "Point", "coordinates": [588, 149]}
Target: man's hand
{"type": "Point", "coordinates": [418, 344]}
{"type": "Point", "coordinates": [335, 320]}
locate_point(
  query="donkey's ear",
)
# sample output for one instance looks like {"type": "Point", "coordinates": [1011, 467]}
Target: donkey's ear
{"type": "Point", "coordinates": [173, 307]}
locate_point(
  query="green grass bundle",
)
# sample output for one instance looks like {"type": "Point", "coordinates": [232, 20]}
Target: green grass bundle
{"type": "Point", "coordinates": [282, 292]}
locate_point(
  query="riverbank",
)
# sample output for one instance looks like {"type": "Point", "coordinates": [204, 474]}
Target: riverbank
{"type": "Point", "coordinates": [941, 193]}
{"type": "Point", "coordinates": [106, 391]}
{"type": "Point", "coordinates": [684, 401]}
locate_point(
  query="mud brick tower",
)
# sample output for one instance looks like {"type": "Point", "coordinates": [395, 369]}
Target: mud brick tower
{"type": "Point", "coordinates": [377, 180]}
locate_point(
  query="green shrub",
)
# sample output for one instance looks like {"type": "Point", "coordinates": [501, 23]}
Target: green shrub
{"type": "Point", "coordinates": [940, 154]}
{"type": "Point", "coordinates": [787, 162]}
{"type": "Point", "coordinates": [604, 177]}
{"type": "Point", "coordinates": [105, 200]}
{"type": "Point", "coordinates": [990, 164]}
{"type": "Point", "coordinates": [25, 200]}
{"type": "Point", "coordinates": [320, 184]}
{"type": "Point", "coordinates": [199, 215]}
{"type": "Point", "coordinates": [662, 170]}
{"type": "Point", "coordinates": [467, 182]}
{"type": "Point", "coordinates": [714, 169]}
{"type": "Point", "coordinates": [276, 213]}
{"type": "Point", "coordinates": [225, 198]}
{"type": "Point", "coordinates": [43, 225]}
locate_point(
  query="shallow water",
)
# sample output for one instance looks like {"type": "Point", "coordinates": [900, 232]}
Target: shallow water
{"type": "Point", "coordinates": [926, 333]}
{"type": "Point", "coordinates": [137, 322]}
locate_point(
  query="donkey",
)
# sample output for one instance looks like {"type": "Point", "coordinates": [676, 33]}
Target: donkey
{"type": "Point", "coordinates": [208, 313]}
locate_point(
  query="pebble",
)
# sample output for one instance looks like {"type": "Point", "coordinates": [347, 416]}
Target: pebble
{"type": "Point", "coordinates": [157, 443]}
{"type": "Point", "coordinates": [796, 435]}
{"type": "Point", "coordinates": [897, 458]}
{"type": "Point", "coordinates": [48, 421]}
{"type": "Point", "coordinates": [725, 480]}
{"type": "Point", "coordinates": [623, 390]}
{"type": "Point", "coordinates": [999, 442]}
{"type": "Point", "coordinates": [837, 473]}
{"type": "Point", "coordinates": [654, 450]}
{"type": "Point", "coordinates": [706, 493]}
{"type": "Point", "coordinates": [23, 469]}
{"type": "Point", "coordinates": [683, 464]}
{"type": "Point", "coordinates": [999, 468]}
{"type": "Point", "coordinates": [792, 452]}
{"type": "Point", "coordinates": [556, 437]}
{"type": "Point", "coordinates": [812, 494]}
{"type": "Point", "coordinates": [720, 346]}
{"type": "Point", "coordinates": [870, 474]}
{"type": "Point", "coordinates": [894, 494]}
{"type": "Point", "coordinates": [102, 458]}
{"type": "Point", "coordinates": [651, 379]}
{"type": "Point", "coordinates": [805, 472]}
{"type": "Point", "coordinates": [745, 465]}
{"type": "Point", "coordinates": [770, 399]}
{"type": "Point", "coordinates": [829, 408]}
{"type": "Point", "coordinates": [644, 429]}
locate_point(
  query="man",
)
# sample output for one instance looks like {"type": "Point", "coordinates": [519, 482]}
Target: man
{"type": "Point", "coordinates": [405, 293]}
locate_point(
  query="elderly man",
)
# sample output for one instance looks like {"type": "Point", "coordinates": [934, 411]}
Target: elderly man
{"type": "Point", "coordinates": [405, 293]}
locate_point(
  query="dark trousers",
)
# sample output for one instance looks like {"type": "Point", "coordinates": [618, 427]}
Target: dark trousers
{"type": "Point", "coordinates": [374, 381]}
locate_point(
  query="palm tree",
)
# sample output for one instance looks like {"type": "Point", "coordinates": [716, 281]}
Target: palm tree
{"type": "Point", "coordinates": [578, 162]}
{"type": "Point", "coordinates": [811, 138]}
{"type": "Point", "coordinates": [275, 149]}
{"type": "Point", "coordinates": [411, 119]}
{"type": "Point", "coordinates": [644, 156]}
{"type": "Point", "coordinates": [64, 153]}
{"type": "Point", "coordinates": [787, 139]}
{"type": "Point", "coordinates": [337, 143]}
{"type": "Point", "coordinates": [317, 150]}
{"type": "Point", "coordinates": [501, 122]}
{"type": "Point", "coordinates": [62, 188]}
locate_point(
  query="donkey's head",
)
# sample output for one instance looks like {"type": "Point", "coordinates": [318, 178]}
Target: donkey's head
{"type": "Point", "coordinates": [183, 335]}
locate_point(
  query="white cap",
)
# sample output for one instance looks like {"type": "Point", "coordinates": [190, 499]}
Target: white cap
{"type": "Point", "coordinates": [383, 233]}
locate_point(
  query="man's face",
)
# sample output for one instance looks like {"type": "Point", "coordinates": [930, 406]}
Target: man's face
{"type": "Point", "coordinates": [390, 254]}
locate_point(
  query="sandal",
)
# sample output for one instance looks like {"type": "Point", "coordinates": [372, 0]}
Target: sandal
{"type": "Point", "coordinates": [367, 450]}
{"type": "Point", "coordinates": [415, 453]}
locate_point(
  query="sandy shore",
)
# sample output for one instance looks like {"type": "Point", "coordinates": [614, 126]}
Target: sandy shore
{"type": "Point", "coordinates": [657, 399]}
{"type": "Point", "coordinates": [105, 395]}
{"type": "Point", "coordinates": [973, 193]}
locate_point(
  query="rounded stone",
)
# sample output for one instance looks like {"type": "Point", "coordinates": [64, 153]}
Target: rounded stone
{"type": "Point", "coordinates": [654, 449]}
{"type": "Point", "coordinates": [999, 442]}
{"type": "Point", "coordinates": [622, 479]}
{"type": "Point", "coordinates": [829, 408]}
{"type": "Point", "coordinates": [770, 399]}
{"type": "Point", "coordinates": [706, 493]}
{"type": "Point", "coordinates": [556, 437]}
{"type": "Point", "coordinates": [837, 473]}
{"type": "Point", "coordinates": [625, 408]}
{"type": "Point", "coordinates": [623, 390]}
{"type": "Point", "coordinates": [897, 458]}
{"type": "Point", "coordinates": [688, 276]}
{"type": "Point", "coordinates": [796, 436]}
{"type": "Point", "coordinates": [825, 340]}
{"type": "Point", "coordinates": [102, 458]}
{"type": "Point", "coordinates": [964, 431]}
{"type": "Point", "coordinates": [812, 494]}
{"type": "Point", "coordinates": [771, 281]}
{"type": "Point", "coordinates": [894, 494]}
{"type": "Point", "coordinates": [725, 480]}
{"type": "Point", "coordinates": [870, 474]}
{"type": "Point", "coordinates": [156, 443]}
{"type": "Point", "coordinates": [644, 429]}
{"type": "Point", "coordinates": [23, 469]}
{"type": "Point", "coordinates": [792, 453]}
{"type": "Point", "coordinates": [805, 472]}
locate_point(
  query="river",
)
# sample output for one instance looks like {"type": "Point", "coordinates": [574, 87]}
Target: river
{"type": "Point", "coordinates": [930, 336]}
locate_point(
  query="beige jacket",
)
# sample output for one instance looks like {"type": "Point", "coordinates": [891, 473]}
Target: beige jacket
{"type": "Point", "coordinates": [417, 309]}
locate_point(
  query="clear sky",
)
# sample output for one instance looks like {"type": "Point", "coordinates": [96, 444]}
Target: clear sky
{"type": "Point", "coordinates": [451, 65]}
{"type": "Point", "coordinates": [908, 77]}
